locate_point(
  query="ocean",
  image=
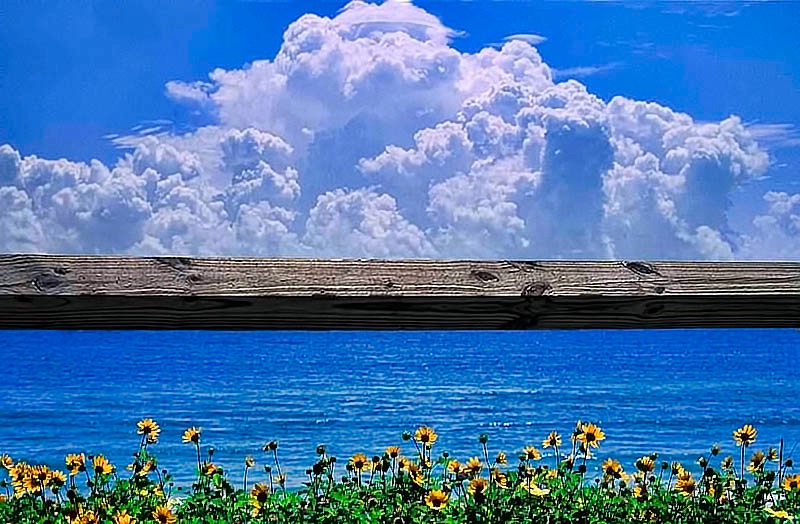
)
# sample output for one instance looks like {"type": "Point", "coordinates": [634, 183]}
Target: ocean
{"type": "Point", "coordinates": [675, 392]}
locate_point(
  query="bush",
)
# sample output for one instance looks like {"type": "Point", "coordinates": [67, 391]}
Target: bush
{"type": "Point", "coordinates": [391, 488]}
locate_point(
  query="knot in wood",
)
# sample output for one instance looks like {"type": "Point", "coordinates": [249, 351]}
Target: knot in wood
{"type": "Point", "coordinates": [536, 289]}
{"type": "Point", "coordinates": [176, 263]}
{"type": "Point", "coordinates": [485, 276]}
{"type": "Point", "coordinates": [50, 280]}
{"type": "Point", "coordinates": [641, 268]}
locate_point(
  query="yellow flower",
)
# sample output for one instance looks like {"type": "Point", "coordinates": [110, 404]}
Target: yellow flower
{"type": "Point", "coordinates": [149, 429]}
{"type": "Point", "coordinates": [416, 474]}
{"type": "Point", "coordinates": [757, 461]}
{"type": "Point", "coordinates": [553, 439]}
{"type": "Point", "coordinates": [498, 477]}
{"type": "Point", "coordinates": [612, 468]}
{"type": "Point", "coordinates": [683, 474]}
{"type": "Point", "coordinates": [473, 466]}
{"type": "Point", "coordinates": [249, 461]}
{"type": "Point", "coordinates": [453, 466]}
{"type": "Point", "coordinates": [425, 435]}
{"type": "Point", "coordinates": [477, 488]}
{"type": "Point", "coordinates": [57, 479]}
{"type": "Point", "coordinates": [76, 463]}
{"type": "Point", "coordinates": [3, 498]}
{"type": "Point", "coordinates": [124, 518]}
{"type": "Point", "coordinates": [360, 462]}
{"type": "Point", "coordinates": [645, 465]}
{"type": "Point", "coordinates": [772, 455]}
{"type": "Point", "coordinates": [727, 463]}
{"type": "Point", "coordinates": [147, 468]}
{"type": "Point", "coordinates": [535, 490]}
{"type": "Point", "coordinates": [18, 473]}
{"type": "Point", "coordinates": [6, 461]}
{"type": "Point", "coordinates": [501, 458]}
{"type": "Point", "coordinates": [191, 435]}
{"type": "Point", "coordinates": [685, 485]}
{"type": "Point", "coordinates": [18, 470]}
{"type": "Point", "coordinates": [163, 515]}
{"type": "Point", "coordinates": [259, 493]}
{"type": "Point", "coordinates": [210, 469]}
{"type": "Point", "coordinates": [745, 435]}
{"type": "Point", "coordinates": [591, 435]}
{"type": "Point", "coordinates": [36, 479]}
{"type": "Point", "coordinates": [403, 462]}
{"type": "Point", "coordinates": [256, 508]}
{"type": "Point", "coordinates": [780, 514]}
{"type": "Point", "coordinates": [640, 492]}
{"type": "Point", "coordinates": [393, 451]}
{"type": "Point", "coordinates": [102, 466]}
{"type": "Point", "coordinates": [436, 499]}
{"type": "Point", "coordinates": [31, 483]}
{"type": "Point", "coordinates": [531, 453]}
{"type": "Point", "coordinates": [792, 482]}
{"type": "Point", "coordinates": [89, 518]}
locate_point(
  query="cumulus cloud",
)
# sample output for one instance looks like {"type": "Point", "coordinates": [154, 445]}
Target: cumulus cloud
{"type": "Point", "coordinates": [776, 232]}
{"type": "Point", "coordinates": [362, 223]}
{"type": "Point", "coordinates": [369, 134]}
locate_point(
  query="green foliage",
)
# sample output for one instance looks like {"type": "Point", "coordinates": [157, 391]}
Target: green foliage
{"type": "Point", "coordinates": [426, 488]}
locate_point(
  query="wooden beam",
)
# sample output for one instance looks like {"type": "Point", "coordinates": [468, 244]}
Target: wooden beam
{"type": "Point", "coordinates": [108, 292]}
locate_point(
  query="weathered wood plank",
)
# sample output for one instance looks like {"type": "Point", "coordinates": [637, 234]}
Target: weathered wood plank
{"type": "Point", "coordinates": [88, 292]}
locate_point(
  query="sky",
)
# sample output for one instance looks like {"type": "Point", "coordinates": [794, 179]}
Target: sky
{"type": "Point", "coordinates": [399, 129]}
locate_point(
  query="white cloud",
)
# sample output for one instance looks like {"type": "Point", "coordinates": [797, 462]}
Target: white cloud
{"type": "Point", "coordinates": [775, 136]}
{"type": "Point", "coordinates": [586, 71]}
{"type": "Point", "coordinates": [368, 134]}
{"type": "Point", "coordinates": [531, 38]}
{"type": "Point", "coordinates": [776, 232]}
{"type": "Point", "coordinates": [362, 223]}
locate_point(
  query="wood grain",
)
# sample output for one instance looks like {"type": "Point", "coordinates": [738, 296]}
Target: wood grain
{"type": "Point", "coordinates": [105, 292]}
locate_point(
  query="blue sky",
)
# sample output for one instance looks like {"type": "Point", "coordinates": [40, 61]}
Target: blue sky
{"type": "Point", "coordinates": [78, 74]}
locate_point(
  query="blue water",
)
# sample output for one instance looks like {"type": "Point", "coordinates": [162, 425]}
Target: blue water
{"type": "Point", "coordinates": [671, 391]}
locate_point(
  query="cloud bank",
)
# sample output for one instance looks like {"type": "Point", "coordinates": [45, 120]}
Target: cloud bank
{"type": "Point", "coordinates": [369, 135]}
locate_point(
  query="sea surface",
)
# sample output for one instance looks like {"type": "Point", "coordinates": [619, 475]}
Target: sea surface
{"type": "Point", "coordinates": [674, 392]}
